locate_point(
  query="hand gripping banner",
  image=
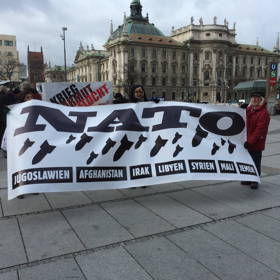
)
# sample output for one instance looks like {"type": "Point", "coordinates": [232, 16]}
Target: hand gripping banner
{"type": "Point", "coordinates": [55, 148]}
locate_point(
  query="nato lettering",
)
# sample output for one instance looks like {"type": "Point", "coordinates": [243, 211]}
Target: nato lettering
{"type": "Point", "coordinates": [171, 116]}
{"type": "Point", "coordinates": [210, 120]}
{"type": "Point", "coordinates": [55, 118]}
{"type": "Point", "coordinates": [127, 120]}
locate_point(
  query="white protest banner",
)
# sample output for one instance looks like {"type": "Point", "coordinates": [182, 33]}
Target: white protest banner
{"type": "Point", "coordinates": [76, 93]}
{"type": "Point", "coordinates": [54, 148]}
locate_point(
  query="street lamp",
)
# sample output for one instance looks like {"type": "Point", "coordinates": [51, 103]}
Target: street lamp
{"type": "Point", "coordinates": [63, 39]}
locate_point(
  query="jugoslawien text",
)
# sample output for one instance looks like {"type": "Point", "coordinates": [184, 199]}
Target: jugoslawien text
{"type": "Point", "coordinates": [127, 120]}
{"type": "Point", "coordinates": [42, 176]}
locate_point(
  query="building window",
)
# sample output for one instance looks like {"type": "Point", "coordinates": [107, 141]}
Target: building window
{"type": "Point", "coordinates": [183, 82]}
{"type": "Point", "coordinates": [220, 34]}
{"type": "Point", "coordinates": [252, 60]}
{"type": "Point", "coordinates": [174, 81]}
{"type": "Point", "coordinates": [164, 81]}
{"type": "Point", "coordinates": [174, 68]}
{"type": "Point", "coordinates": [173, 96]}
{"type": "Point", "coordinates": [132, 68]}
{"type": "Point", "coordinates": [8, 43]}
{"type": "Point", "coordinates": [154, 67]}
{"type": "Point", "coordinates": [205, 94]}
{"type": "Point", "coordinates": [184, 55]}
{"type": "Point", "coordinates": [0, 42]}
{"type": "Point", "coordinates": [164, 66]}
{"type": "Point", "coordinates": [183, 96]}
{"type": "Point", "coordinates": [163, 94]}
{"type": "Point", "coordinates": [252, 72]}
{"type": "Point", "coordinates": [132, 52]}
{"type": "Point", "coordinates": [163, 53]}
{"type": "Point", "coordinates": [208, 34]}
{"type": "Point", "coordinates": [206, 75]}
{"type": "Point", "coordinates": [236, 60]}
{"type": "Point", "coordinates": [154, 54]}
{"type": "Point", "coordinates": [143, 52]}
{"type": "Point", "coordinates": [244, 59]}
{"type": "Point", "coordinates": [259, 61]}
{"type": "Point", "coordinates": [153, 81]}
{"type": "Point", "coordinates": [207, 55]}
{"type": "Point", "coordinates": [174, 55]}
{"type": "Point", "coordinates": [244, 70]}
{"type": "Point", "coordinates": [183, 69]}
{"type": "Point", "coordinates": [143, 67]}
{"type": "Point", "coordinates": [143, 81]}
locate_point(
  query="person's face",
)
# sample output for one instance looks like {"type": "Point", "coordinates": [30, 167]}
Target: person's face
{"type": "Point", "coordinates": [28, 96]}
{"type": "Point", "coordinates": [139, 93]}
{"type": "Point", "coordinates": [255, 100]}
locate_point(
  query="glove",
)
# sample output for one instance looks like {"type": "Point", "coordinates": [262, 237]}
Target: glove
{"type": "Point", "coordinates": [155, 99]}
{"type": "Point", "coordinates": [246, 145]}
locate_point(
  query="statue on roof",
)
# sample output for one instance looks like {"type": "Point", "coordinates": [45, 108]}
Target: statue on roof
{"type": "Point", "coordinates": [215, 20]}
{"type": "Point", "coordinates": [192, 19]}
{"type": "Point", "coordinates": [234, 25]}
{"type": "Point", "coordinates": [225, 22]}
{"type": "Point", "coordinates": [201, 21]}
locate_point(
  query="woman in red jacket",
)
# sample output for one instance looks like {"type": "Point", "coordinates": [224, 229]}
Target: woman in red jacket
{"type": "Point", "coordinates": [257, 128]}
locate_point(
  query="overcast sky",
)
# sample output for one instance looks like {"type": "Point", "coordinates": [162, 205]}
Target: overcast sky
{"type": "Point", "coordinates": [39, 22]}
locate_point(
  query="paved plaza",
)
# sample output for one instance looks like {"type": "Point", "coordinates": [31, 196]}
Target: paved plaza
{"type": "Point", "coordinates": [189, 230]}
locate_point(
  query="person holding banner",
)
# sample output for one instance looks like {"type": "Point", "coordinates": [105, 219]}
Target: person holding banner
{"type": "Point", "coordinates": [257, 128]}
{"type": "Point", "coordinates": [6, 98]}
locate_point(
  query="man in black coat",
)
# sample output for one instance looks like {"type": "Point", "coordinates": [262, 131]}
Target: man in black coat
{"type": "Point", "coordinates": [5, 99]}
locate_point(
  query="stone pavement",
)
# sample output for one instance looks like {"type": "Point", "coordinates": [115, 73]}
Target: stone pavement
{"type": "Point", "coordinates": [190, 230]}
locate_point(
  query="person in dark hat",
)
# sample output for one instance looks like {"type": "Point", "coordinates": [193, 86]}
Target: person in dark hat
{"type": "Point", "coordinates": [257, 128]}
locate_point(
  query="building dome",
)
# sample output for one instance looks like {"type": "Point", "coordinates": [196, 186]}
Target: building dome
{"type": "Point", "coordinates": [136, 24]}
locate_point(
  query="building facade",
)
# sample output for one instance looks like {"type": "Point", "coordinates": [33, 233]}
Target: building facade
{"type": "Point", "coordinates": [9, 58]}
{"type": "Point", "coordinates": [36, 66]}
{"type": "Point", "coordinates": [54, 74]}
{"type": "Point", "coordinates": [199, 62]}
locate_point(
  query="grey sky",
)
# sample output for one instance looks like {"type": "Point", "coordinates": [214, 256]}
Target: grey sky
{"type": "Point", "coordinates": [39, 22]}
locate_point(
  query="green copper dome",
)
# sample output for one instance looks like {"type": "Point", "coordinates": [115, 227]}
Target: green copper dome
{"type": "Point", "coordinates": [136, 23]}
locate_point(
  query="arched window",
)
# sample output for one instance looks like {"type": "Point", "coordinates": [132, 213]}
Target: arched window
{"type": "Point", "coordinates": [207, 55]}
{"type": "Point", "coordinates": [206, 76]}
{"type": "Point", "coordinates": [143, 67]}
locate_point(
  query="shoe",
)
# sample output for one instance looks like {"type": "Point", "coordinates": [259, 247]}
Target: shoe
{"type": "Point", "coordinates": [247, 183]}
{"type": "Point", "coordinates": [144, 187]}
{"type": "Point", "coordinates": [254, 185]}
{"type": "Point", "coordinates": [20, 197]}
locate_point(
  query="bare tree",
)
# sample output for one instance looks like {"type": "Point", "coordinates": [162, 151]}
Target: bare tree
{"type": "Point", "coordinates": [8, 67]}
{"type": "Point", "coordinates": [130, 76]}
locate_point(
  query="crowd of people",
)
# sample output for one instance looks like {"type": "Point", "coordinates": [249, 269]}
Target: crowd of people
{"type": "Point", "coordinates": [8, 97]}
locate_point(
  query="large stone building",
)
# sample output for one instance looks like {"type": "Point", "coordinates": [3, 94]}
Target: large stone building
{"type": "Point", "coordinates": [198, 62]}
{"type": "Point", "coordinates": [9, 58]}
